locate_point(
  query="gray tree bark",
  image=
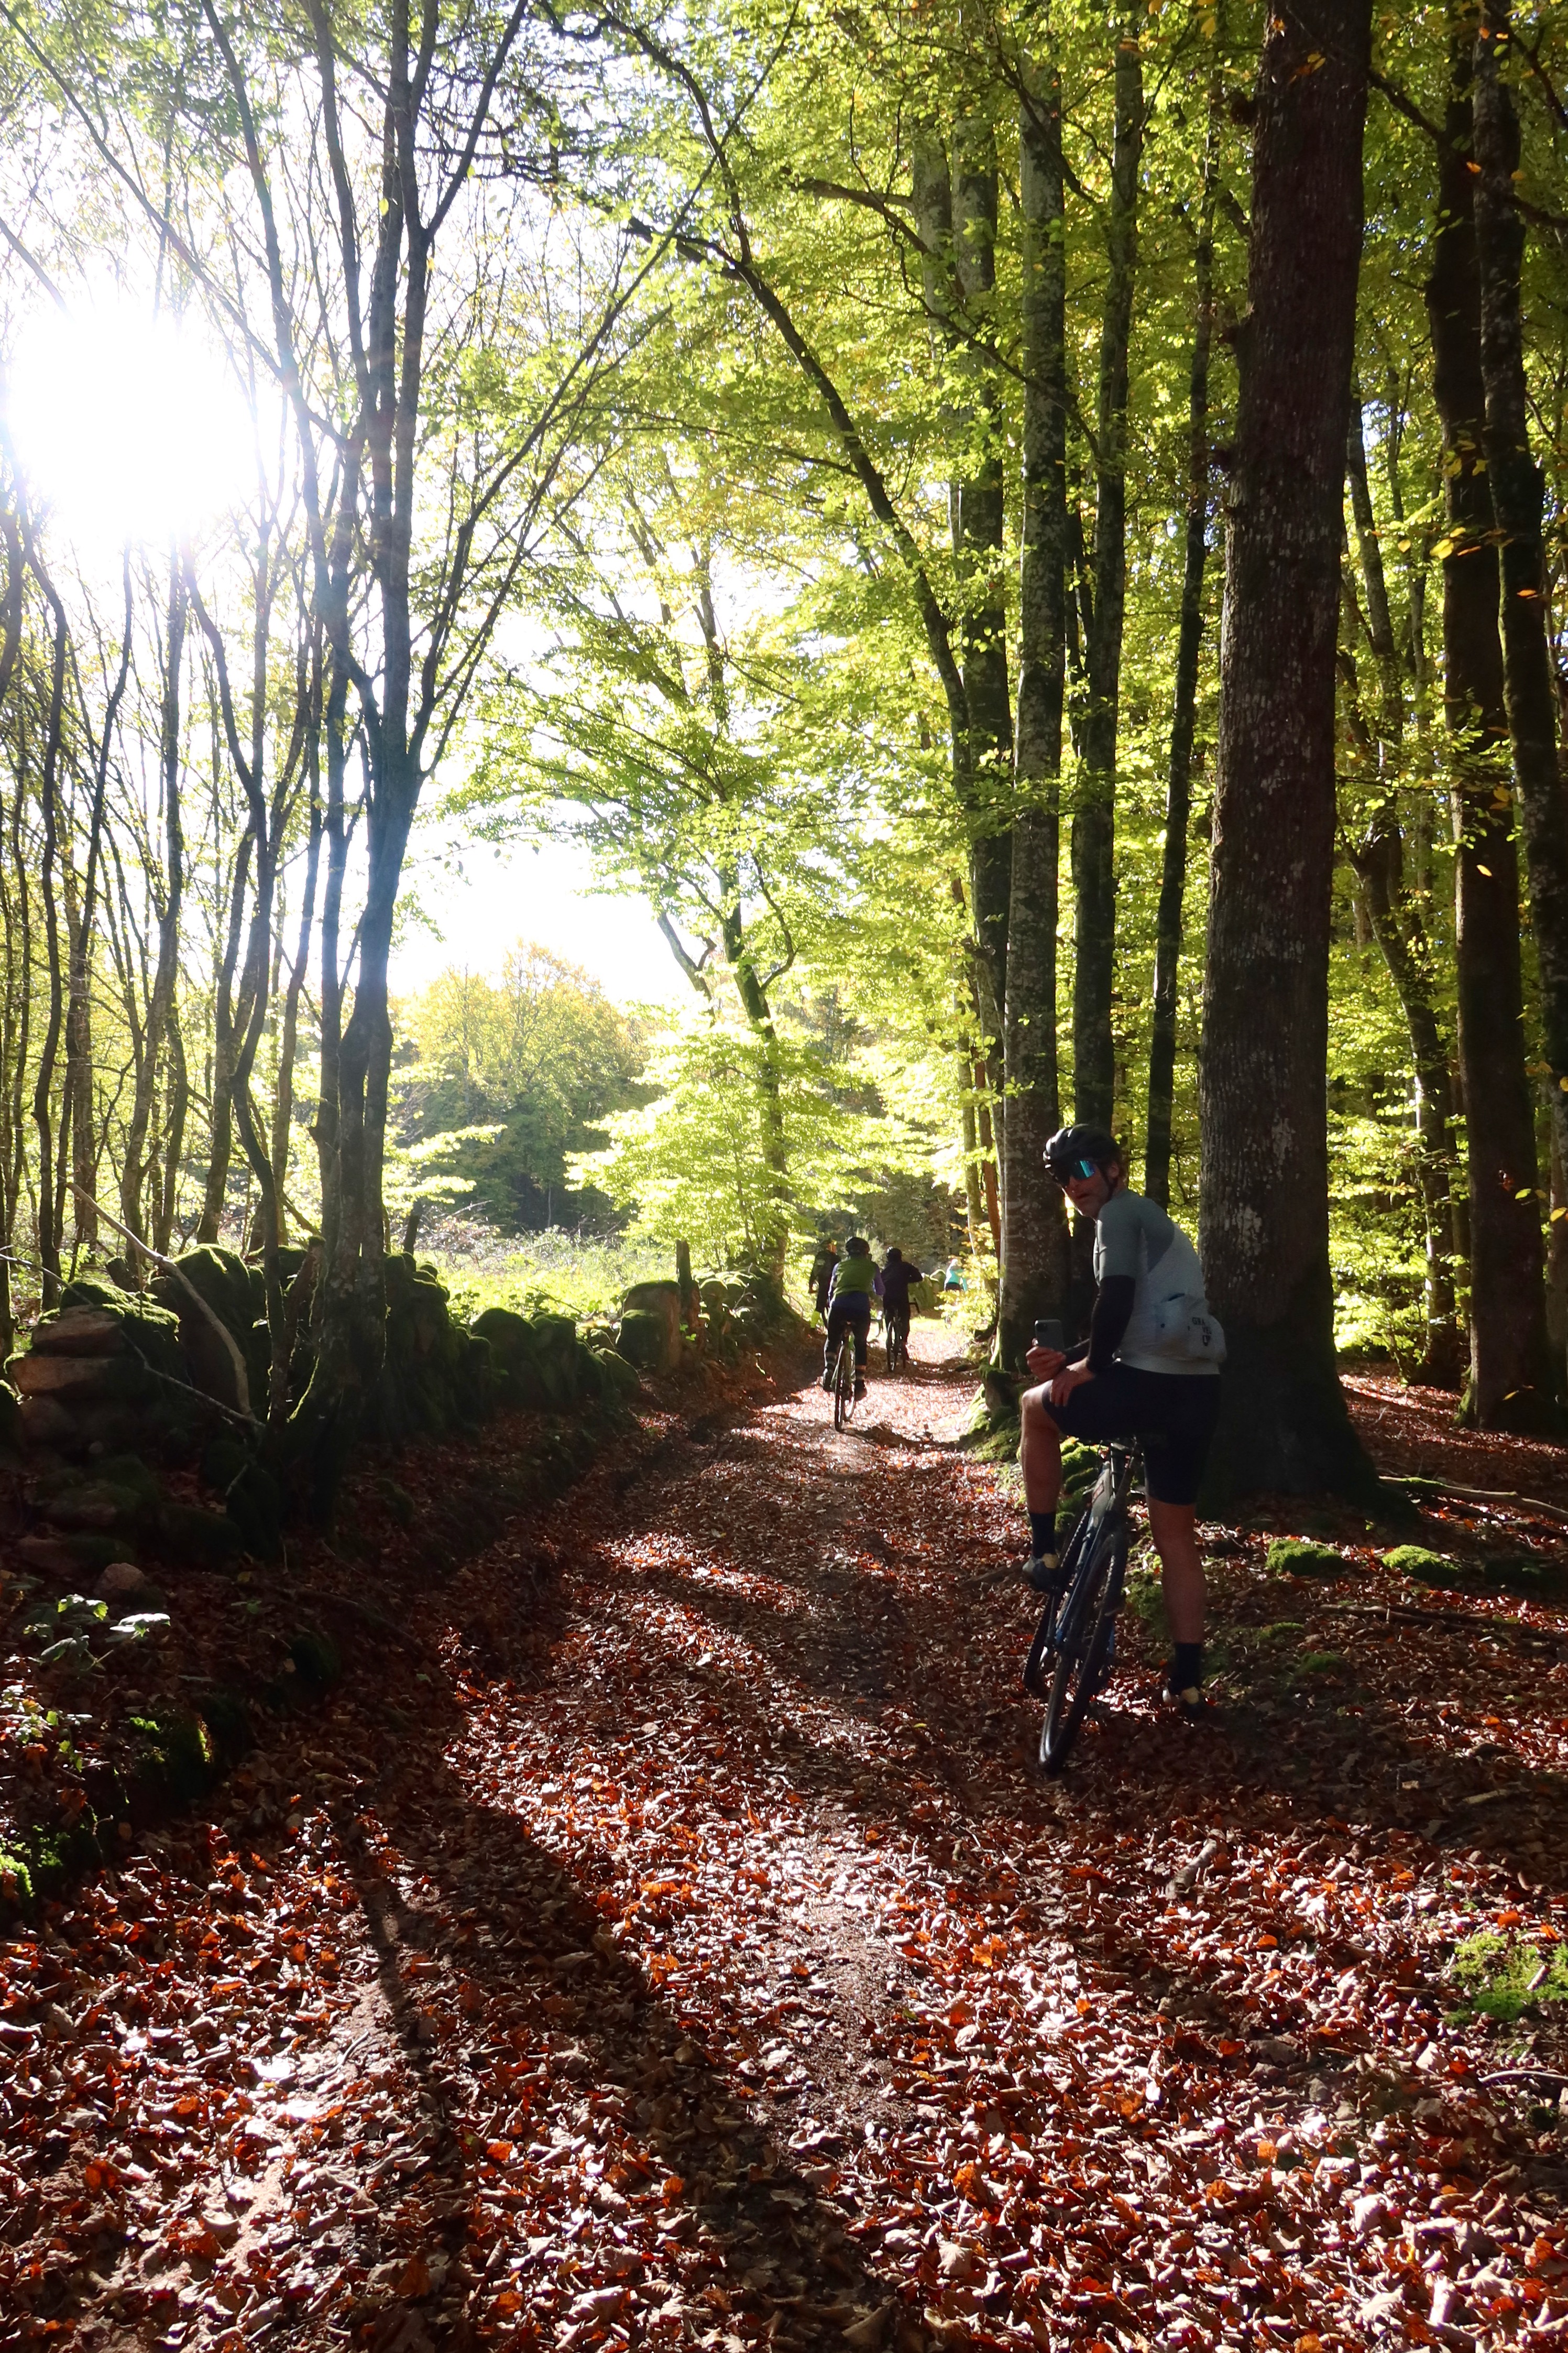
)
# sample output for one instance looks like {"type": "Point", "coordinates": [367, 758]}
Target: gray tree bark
{"type": "Point", "coordinates": [1185, 700]}
{"type": "Point", "coordinates": [1034, 1264]}
{"type": "Point", "coordinates": [1518, 488]}
{"type": "Point", "coordinates": [1511, 1366]}
{"type": "Point", "coordinates": [1094, 815]}
{"type": "Point", "coordinates": [1264, 1214]}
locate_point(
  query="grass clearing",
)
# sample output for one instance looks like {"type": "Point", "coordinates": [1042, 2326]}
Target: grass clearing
{"type": "Point", "coordinates": [1502, 1976]}
{"type": "Point", "coordinates": [564, 1273]}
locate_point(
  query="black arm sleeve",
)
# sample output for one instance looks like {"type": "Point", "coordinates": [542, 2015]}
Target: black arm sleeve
{"type": "Point", "coordinates": [1112, 1310]}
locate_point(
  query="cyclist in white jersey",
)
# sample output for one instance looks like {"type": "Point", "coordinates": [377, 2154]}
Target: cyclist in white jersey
{"type": "Point", "coordinates": [1148, 1370]}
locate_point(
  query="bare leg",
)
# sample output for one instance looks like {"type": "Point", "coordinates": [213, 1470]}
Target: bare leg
{"type": "Point", "coordinates": [1040, 1454]}
{"type": "Point", "coordinates": [1173, 1527]}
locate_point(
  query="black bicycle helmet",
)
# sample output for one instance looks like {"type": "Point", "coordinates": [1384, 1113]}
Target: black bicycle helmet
{"type": "Point", "coordinates": [857, 1247]}
{"type": "Point", "coordinates": [1070, 1144]}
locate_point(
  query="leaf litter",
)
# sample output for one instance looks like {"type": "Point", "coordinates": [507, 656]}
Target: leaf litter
{"type": "Point", "coordinates": [668, 1941]}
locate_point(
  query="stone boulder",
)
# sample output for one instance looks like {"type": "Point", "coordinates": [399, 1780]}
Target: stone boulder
{"type": "Point", "coordinates": [649, 1331]}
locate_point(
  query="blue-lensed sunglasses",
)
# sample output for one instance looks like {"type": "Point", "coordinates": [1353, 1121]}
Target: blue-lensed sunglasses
{"type": "Point", "coordinates": [1085, 1169]}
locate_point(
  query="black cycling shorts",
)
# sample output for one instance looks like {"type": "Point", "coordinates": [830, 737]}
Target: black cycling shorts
{"type": "Point", "coordinates": [1173, 1413]}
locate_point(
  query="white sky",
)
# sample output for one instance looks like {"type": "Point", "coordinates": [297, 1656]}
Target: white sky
{"type": "Point", "coordinates": [164, 447]}
{"type": "Point", "coordinates": [484, 900]}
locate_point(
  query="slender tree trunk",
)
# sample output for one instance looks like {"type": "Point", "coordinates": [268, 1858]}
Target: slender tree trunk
{"type": "Point", "coordinates": [1510, 1365]}
{"type": "Point", "coordinates": [283, 1106]}
{"type": "Point", "coordinates": [1035, 1270]}
{"type": "Point", "coordinates": [1398, 928]}
{"type": "Point", "coordinates": [1184, 702]}
{"type": "Point", "coordinates": [1094, 817]}
{"type": "Point", "coordinates": [978, 532]}
{"type": "Point", "coordinates": [161, 999]}
{"type": "Point", "coordinates": [44, 1082]}
{"type": "Point", "coordinates": [1518, 487]}
{"type": "Point", "coordinates": [1265, 1221]}
{"type": "Point", "coordinates": [974, 1207]}
{"type": "Point", "coordinates": [225, 1053]}
{"type": "Point", "coordinates": [958, 271]}
{"type": "Point", "coordinates": [176, 1106]}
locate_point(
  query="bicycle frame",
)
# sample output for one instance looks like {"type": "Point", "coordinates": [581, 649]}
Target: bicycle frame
{"type": "Point", "coordinates": [1069, 1621]}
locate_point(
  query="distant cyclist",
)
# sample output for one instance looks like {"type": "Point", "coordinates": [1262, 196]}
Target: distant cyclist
{"type": "Point", "coordinates": [821, 1275]}
{"type": "Point", "coordinates": [850, 1305]}
{"type": "Point", "coordinates": [1147, 1370]}
{"type": "Point", "coordinates": [898, 1277]}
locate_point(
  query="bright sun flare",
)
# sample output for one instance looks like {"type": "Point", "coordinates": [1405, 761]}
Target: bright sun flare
{"type": "Point", "coordinates": [125, 427]}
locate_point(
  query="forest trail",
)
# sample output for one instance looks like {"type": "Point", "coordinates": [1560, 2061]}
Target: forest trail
{"type": "Point", "coordinates": [665, 1940]}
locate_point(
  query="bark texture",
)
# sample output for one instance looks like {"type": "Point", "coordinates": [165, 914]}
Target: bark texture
{"type": "Point", "coordinates": [1265, 1222]}
{"type": "Point", "coordinates": [1395, 917]}
{"type": "Point", "coordinates": [1183, 709]}
{"type": "Point", "coordinates": [1517, 490]}
{"type": "Point", "coordinates": [1094, 817]}
{"type": "Point", "coordinates": [1510, 1359]}
{"type": "Point", "coordinates": [1035, 1268]}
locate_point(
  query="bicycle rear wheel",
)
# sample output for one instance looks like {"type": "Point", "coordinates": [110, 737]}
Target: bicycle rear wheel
{"type": "Point", "coordinates": [844, 1381]}
{"type": "Point", "coordinates": [1083, 1647]}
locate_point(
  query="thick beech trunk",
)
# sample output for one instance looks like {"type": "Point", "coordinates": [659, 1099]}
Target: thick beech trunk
{"type": "Point", "coordinates": [1094, 816]}
{"type": "Point", "coordinates": [1184, 702]}
{"type": "Point", "coordinates": [1510, 1369]}
{"type": "Point", "coordinates": [1035, 1270]}
{"type": "Point", "coordinates": [1518, 489]}
{"type": "Point", "coordinates": [1265, 1222]}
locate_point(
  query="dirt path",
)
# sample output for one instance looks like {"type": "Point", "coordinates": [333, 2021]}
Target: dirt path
{"type": "Point", "coordinates": [665, 1941]}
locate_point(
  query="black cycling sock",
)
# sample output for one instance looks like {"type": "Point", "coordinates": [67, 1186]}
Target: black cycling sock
{"type": "Point", "coordinates": [1043, 1534]}
{"type": "Point", "coordinates": [1187, 1666]}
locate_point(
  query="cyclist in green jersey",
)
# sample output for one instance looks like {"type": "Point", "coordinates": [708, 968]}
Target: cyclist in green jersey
{"type": "Point", "coordinates": [850, 1305]}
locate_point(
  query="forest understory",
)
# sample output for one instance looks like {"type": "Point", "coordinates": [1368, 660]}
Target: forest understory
{"type": "Point", "coordinates": [658, 1934]}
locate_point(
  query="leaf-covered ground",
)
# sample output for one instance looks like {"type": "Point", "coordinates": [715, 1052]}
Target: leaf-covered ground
{"type": "Point", "coordinates": [662, 1938]}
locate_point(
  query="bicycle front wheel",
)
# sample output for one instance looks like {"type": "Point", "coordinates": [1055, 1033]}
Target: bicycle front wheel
{"type": "Point", "coordinates": [1082, 1651]}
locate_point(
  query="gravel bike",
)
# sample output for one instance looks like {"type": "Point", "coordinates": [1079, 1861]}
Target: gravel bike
{"type": "Point", "coordinates": [896, 1335]}
{"type": "Point", "coordinates": [1074, 1646]}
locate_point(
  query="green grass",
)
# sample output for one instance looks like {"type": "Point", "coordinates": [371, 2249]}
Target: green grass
{"type": "Point", "coordinates": [1496, 1973]}
{"type": "Point", "coordinates": [1291, 1556]}
{"type": "Point", "coordinates": [533, 1272]}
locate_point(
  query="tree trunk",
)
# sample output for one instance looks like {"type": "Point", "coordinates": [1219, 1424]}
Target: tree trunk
{"type": "Point", "coordinates": [1184, 704]}
{"type": "Point", "coordinates": [44, 1082]}
{"type": "Point", "coordinates": [973, 1207]}
{"type": "Point", "coordinates": [1518, 487]}
{"type": "Point", "coordinates": [1511, 1365]}
{"type": "Point", "coordinates": [283, 1105]}
{"type": "Point", "coordinates": [956, 214]}
{"type": "Point", "coordinates": [978, 521]}
{"type": "Point", "coordinates": [1265, 1216]}
{"type": "Point", "coordinates": [1398, 928]}
{"type": "Point", "coordinates": [161, 999]}
{"type": "Point", "coordinates": [1034, 1227]}
{"type": "Point", "coordinates": [1094, 817]}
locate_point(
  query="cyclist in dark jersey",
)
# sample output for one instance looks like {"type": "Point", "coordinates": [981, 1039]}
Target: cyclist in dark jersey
{"type": "Point", "coordinates": [894, 1284]}
{"type": "Point", "coordinates": [1148, 1370]}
